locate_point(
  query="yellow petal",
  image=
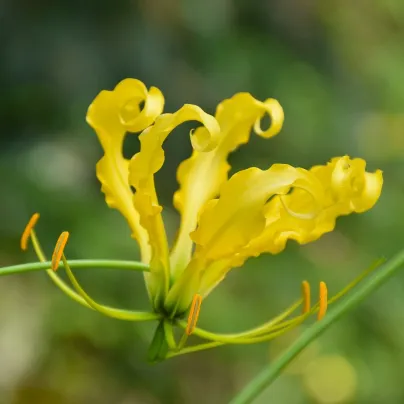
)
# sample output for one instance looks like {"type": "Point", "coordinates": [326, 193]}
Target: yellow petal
{"type": "Point", "coordinates": [201, 176]}
{"type": "Point", "coordinates": [112, 114]}
{"type": "Point", "coordinates": [149, 160]}
{"type": "Point", "coordinates": [241, 223]}
{"type": "Point", "coordinates": [237, 217]}
{"type": "Point", "coordinates": [348, 188]}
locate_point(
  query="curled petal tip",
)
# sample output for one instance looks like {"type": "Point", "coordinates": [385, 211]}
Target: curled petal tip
{"type": "Point", "coordinates": [27, 231]}
{"type": "Point", "coordinates": [276, 114]}
{"type": "Point", "coordinates": [59, 248]}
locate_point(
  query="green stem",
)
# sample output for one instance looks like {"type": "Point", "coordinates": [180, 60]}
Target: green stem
{"type": "Point", "coordinates": [270, 373]}
{"type": "Point", "coordinates": [76, 264]}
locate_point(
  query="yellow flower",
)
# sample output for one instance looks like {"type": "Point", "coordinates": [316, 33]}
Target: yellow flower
{"type": "Point", "coordinates": [224, 221]}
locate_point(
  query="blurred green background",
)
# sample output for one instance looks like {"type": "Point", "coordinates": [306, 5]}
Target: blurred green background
{"type": "Point", "coordinates": [337, 69]}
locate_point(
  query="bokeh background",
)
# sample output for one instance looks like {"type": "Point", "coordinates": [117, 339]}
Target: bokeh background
{"type": "Point", "coordinates": [337, 69]}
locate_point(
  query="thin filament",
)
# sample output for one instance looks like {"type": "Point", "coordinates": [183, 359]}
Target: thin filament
{"type": "Point", "coordinates": [273, 324]}
{"type": "Point", "coordinates": [107, 311]}
{"type": "Point", "coordinates": [277, 327]}
{"type": "Point", "coordinates": [117, 313]}
{"type": "Point", "coordinates": [55, 278]}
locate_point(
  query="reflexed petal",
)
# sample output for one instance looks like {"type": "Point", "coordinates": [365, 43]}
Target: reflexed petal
{"type": "Point", "coordinates": [201, 176]}
{"type": "Point", "coordinates": [228, 225]}
{"type": "Point", "coordinates": [239, 214]}
{"type": "Point", "coordinates": [241, 224]}
{"type": "Point", "coordinates": [149, 160]}
{"type": "Point", "coordinates": [348, 188]}
{"type": "Point", "coordinates": [112, 114]}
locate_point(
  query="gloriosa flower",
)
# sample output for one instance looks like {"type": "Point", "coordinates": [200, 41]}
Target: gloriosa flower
{"type": "Point", "coordinates": [224, 221]}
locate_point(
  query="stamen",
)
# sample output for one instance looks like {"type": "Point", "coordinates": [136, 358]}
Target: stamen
{"type": "Point", "coordinates": [279, 326]}
{"type": "Point", "coordinates": [306, 297]}
{"type": "Point", "coordinates": [193, 314]}
{"type": "Point", "coordinates": [323, 301]}
{"type": "Point", "coordinates": [192, 320]}
{"type": "Point", "coordinates": [58, 251]}
{"type": "Point", "coordinates": [27, 231]}
{"type": "Point", "coordinates": [80, 297]}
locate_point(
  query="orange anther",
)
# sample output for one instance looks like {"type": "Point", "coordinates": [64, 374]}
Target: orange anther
{"type": "Point", "coordinates": [58, 251]}
{"type": "Point", "coordinates": [27, 231]}
{"type": "Point", "coordinates": [193, 314]}
{"type": "Point", "coordinates": [306, 297]}
{"type": "Point", "coordinates": [323, 301]}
